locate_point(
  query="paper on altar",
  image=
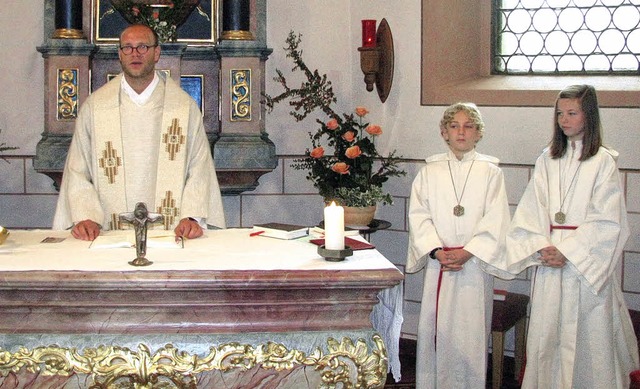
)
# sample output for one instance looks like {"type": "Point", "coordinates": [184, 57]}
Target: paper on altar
{"type": "Point", "coordinates": [155, 239]}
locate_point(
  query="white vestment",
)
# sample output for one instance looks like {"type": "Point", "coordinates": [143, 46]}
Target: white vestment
{"type": "Point", "coordinates": [452, 352]}
{"type": "Point", "coordinates": [580, 334]}
{"type": "Point", "coordinates": [169, 125]}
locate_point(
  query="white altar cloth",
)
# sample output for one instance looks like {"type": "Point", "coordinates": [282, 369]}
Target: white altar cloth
{"type": "Point", "coordinates": [228, 249]}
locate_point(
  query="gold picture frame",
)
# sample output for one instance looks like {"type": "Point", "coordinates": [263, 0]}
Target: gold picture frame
{"type": "Point", "coordinates": [199, 29]}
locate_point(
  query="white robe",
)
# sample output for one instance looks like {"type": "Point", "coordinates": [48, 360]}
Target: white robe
{"type": "Point", "coordinates": [457, 356]}
{"type": "Point", "coordinates": [580, 334]}
{"type": "Point", "coordinates": [80, 195]}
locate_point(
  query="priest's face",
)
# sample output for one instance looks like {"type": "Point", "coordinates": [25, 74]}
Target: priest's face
{"type": "Point", "coordinates": [138, 65]}
{"type": "Point", "coordinates": [571, 118]}
{"type": "Point", "coordinates": [461, 134]}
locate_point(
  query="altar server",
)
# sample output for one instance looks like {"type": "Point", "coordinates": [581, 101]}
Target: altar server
{"type": "Point", "coordinates": [139, 138]}
{"type": "Point", "coordinates": [458, 217]}
{"type": "Point", "coordinates": [570, 227]}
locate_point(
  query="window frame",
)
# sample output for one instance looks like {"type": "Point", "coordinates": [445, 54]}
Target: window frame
{"type": "Point", "coordinates": [456, 65]}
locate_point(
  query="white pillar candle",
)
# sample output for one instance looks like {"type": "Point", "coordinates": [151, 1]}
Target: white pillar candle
{"type": "Point", "coordinates": [334, 227]}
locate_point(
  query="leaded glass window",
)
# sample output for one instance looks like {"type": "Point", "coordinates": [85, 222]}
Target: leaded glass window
{"type": "Point", "coordinates": [566, 37]}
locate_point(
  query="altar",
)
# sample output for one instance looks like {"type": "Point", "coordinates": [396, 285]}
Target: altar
{"type": "Point", "coordinates": [224, 311]}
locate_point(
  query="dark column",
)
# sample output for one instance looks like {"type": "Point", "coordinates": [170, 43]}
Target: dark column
{"type": "Point", "coordinates": [68, 21]}
{"type": "Point", "coordinates": [236, 20]}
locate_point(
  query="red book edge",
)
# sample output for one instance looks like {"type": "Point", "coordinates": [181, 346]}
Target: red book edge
{"type": "Point", "coordinates": [353, 243]}
{"type": "Point", "coordinates": [499, 294]}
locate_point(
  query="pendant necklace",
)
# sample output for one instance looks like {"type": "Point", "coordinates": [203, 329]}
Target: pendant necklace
{"type": "Point", "coordinates": [560, 217]}
{"type": "Point", "coordinates": [458, 210]}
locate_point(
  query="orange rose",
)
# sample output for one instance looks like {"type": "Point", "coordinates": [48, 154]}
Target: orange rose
{"type": "Point", "coordinates": [373, 129]}
{"type": "Point", "coordinates": [361, 111]}
{"type": "Point", "coordinates": [317, 152]}
{"type": "Point", "coordinates": [349, 136]}
{"type": "Point", "coordinates": [332, 124]}
{"type": "Point", "coordinates": [353, 152]}
{"type": "Point", "coordinates": [340, 168]}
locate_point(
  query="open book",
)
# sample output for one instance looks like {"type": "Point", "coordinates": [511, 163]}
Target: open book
{"type": "Point", "coordinates": [350, 242]}
{"type": "Point", "coordinates": [280, 230]}
{"type": "Point", "coordinates": [318, 232]}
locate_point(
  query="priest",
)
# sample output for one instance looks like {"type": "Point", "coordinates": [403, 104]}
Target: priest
{"type": "Point", "coordinates": [139, 138]}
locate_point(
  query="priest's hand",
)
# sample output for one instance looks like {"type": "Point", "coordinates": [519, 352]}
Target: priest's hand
{"type": "Point", "coordinates": [86, 230]}
{"type": "Point", "coordinates": [188, 228]}
{"type": "Point", "coordinates": [552, 257]}
{"type": "Point", "coordinates": [453, 260]}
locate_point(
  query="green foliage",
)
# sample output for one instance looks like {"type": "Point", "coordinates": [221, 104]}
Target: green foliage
{"type": "Point", "coordinates": [4, 147]}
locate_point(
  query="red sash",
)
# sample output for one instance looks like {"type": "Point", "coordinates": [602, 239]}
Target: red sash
{"type": "Point", "coordinates": [440, 283]}
{"type": "Point", "coordinates": [557, 227]}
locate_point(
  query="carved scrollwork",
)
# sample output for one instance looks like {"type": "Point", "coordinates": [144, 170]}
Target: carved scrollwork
{"type": "Point", "coordinates": [345, 364]}
{"type": "Point", "coordinates": [67, 94]}
{"type": "Point", "coordinates": [240, 95]}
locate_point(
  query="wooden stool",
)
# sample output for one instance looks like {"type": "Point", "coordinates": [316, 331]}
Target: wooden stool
{"type": "Point", "coordinates": [506, 314]}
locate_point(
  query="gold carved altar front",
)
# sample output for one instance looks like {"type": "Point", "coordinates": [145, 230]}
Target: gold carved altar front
{"type": "Point", "coordinates": [226, 311]}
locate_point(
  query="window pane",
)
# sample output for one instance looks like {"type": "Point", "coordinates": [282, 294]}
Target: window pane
{"type": "Point", "coordinates": [566, 36]}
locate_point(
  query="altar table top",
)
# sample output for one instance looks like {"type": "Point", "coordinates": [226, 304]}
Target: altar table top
{"type": "Point", "coordinates": [228, 249]}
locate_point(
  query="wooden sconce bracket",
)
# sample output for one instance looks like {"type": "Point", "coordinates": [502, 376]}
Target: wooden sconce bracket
{"type": "Point", "coordinates": [377, 62]}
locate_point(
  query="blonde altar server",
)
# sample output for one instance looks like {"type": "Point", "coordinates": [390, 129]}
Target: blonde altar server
{"type": "Point", "coordinates": [139, 138]}
{"type": "Point", "coordinates": [458, 217]}
{"type": "Point", "coordinates": [571, 227]}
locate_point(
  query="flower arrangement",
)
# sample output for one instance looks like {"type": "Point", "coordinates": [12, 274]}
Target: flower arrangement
{"type": "Point", "coordinates": [164, 16]}
{"type": "Point", "coordinates": [354, 172]}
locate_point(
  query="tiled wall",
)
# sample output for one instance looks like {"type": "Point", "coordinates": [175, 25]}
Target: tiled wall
{"type": "Point", "coordinates": [27, 200]}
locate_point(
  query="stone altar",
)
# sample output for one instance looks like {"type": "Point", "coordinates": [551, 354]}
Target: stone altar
{"type": "Point", "coordinates": [215, 314]}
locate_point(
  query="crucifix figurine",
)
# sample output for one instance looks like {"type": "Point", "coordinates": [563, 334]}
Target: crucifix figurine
{"type": "Point", "coordinates": [140, 218]}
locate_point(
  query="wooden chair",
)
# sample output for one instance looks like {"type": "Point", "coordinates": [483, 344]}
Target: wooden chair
{"type": "Point", "coordinates": [512, 312]}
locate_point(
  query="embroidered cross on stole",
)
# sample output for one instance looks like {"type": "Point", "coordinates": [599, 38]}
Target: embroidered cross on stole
{"type": "Point", "coordinates": [171, 159]}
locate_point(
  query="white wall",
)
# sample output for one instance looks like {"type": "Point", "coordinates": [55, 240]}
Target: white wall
{"type": "Point", "coordinates": [22, 74]}
{"type": "Point", "coordinates": [331, 35]}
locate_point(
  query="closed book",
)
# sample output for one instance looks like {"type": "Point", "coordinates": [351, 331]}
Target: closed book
{"type": "Point", "coordinates": [280, 230]}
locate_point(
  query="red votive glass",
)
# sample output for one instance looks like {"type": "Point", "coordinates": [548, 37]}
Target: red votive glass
{"type": "Point", "coordinates": [368, 33]}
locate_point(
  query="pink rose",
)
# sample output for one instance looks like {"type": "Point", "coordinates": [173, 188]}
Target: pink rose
{"type": "Point", "coordinates": [361, 111]}
{"type": "Point", "coordinates": [373, 129]}
{"type": "Point", "coordinates": [171, 5]}
{"type": "Point", "coordinates": [317, 152]}
{"type": "Point", "coordinates": [156, 15]}
{"type": "Point", "coordinates": [332, 124]}
{"type": "Point", "coordinates": [349, 136]}
{"type": "Point", "coordinates": [340, 168]}
{"type": "Point", "coordinates": [135, 11]}
{"type": "Point", "coordinates": [353, 152]}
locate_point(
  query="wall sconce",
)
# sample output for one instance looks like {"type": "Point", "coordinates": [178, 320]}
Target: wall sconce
{"type": "Point", "coordinates": [376, 57]}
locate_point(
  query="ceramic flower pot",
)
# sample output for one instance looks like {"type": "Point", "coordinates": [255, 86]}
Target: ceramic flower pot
{"type": "Point", "coordinates": [359, 216]}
